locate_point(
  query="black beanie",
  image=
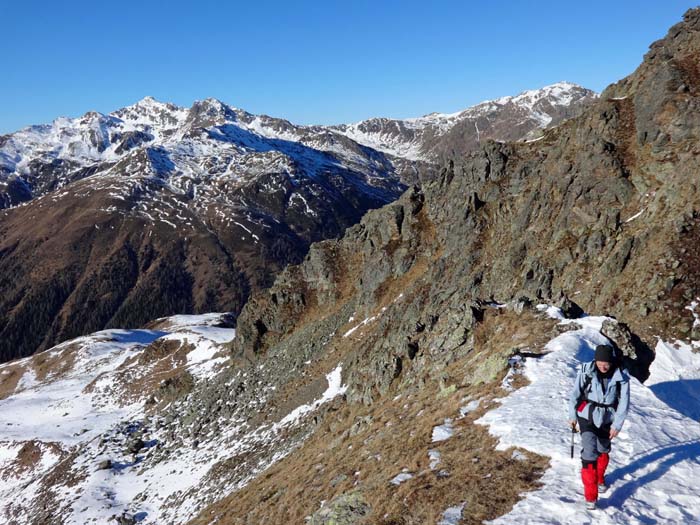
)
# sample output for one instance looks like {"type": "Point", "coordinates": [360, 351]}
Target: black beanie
{"type": "Point", "coordinates": [604, 353]}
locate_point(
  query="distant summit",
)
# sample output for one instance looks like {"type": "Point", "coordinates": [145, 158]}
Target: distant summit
{"type": "Point", "coordinates": [439, 136]}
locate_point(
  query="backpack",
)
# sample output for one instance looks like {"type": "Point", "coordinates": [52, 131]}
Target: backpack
{"type": "Point", "coordinates": [586, 388]}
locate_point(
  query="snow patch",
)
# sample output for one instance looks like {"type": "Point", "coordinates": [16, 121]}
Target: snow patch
{"type": "Point", "coordinates": [335, 388]}
{"type": "Point", "coordinates": [452, 516]}
{"type": "Point", "coordinates": [469, 407]}
{"type": "Point", "coordinates": [400, 478]}
{"type": "Point", "coordinates": [435, 458]}
{"type": "Point", "coordinates": [363, 323]}
{"type": "Point", "coordinates": [635, 215]}
{"type": "Point", "coordinates": [443, 432]}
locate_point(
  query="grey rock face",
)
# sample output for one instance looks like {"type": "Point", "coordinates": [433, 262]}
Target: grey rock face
{"type": "Point", "coordinates": [638, 356]}
{"type": "Point", "coordinates": [346, 509]}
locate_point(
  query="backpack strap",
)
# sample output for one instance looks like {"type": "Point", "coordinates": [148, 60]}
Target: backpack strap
{"type": "Point", "coordinates": [585, 388]}
{"type": "Point", "coordinates": [586, 385]}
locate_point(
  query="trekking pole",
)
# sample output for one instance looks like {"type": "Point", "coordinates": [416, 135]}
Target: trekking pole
{"type": "Point", "coordinates": [573, 433]}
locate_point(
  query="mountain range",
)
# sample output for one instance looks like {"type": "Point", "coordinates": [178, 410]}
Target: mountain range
{"type": "Point", "coordinates": [411, 367]}
{"type": "Point", "coordinates": [153, 210]}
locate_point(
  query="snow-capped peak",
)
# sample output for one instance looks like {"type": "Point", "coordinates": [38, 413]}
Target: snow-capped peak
{"type": "Point", "coordinates": [148, 101]}
{"type": "Point", "coordinates": [561, 93]}
{"type": "Point", "coordinates": [149, 112]}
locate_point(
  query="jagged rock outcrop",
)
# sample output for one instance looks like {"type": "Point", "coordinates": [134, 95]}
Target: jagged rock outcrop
{"type": "Point", "coordinates": [344, 510]}
{"type": "Point", "coordinates": [638, 356]}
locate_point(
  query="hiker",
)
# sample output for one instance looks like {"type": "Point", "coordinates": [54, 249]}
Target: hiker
{"type": "Point", "coordinates": [598, 404]}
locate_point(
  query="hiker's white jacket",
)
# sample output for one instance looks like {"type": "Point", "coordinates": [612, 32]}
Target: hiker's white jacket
{"type": "Point", "coordinates": [589, 406]}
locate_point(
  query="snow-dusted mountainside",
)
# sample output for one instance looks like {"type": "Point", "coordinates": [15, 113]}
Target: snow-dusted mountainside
{"type": "Point", "coordinates": [155, 209]}
{"type": "Point", "coordinates": [440, 136]}
{"type": "Point", "coordinates": [212, 140]}
{"type": "Point", "coordinates": [188, 149]}
{"type": "Point", "coordinates": [87, 436]}
{"type": "Point", "coordinates": [68, 410]}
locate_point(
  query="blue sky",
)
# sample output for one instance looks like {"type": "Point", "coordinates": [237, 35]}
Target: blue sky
{"type": "Point", "coordinates": [312, 62]}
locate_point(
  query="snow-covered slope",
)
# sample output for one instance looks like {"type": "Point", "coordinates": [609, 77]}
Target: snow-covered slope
{"type": "Point", "coordinates": [82, 434]}
{"type": "Point", "coordinates": [654, 467]}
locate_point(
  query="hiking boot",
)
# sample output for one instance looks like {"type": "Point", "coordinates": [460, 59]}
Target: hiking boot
{"type": "Point", "coordinates": [591, 505]}
{"type": "Point", "coordinates": [602, 488]}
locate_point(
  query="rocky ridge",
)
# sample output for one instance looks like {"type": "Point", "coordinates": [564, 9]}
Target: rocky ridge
{"type": "Point", "coordinates": [580, 214]}
{"type": "Point", "coordinates": [598, 215]}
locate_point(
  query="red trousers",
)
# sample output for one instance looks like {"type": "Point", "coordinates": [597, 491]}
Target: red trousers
{"type": "Point", "coordinates": [592, 475]}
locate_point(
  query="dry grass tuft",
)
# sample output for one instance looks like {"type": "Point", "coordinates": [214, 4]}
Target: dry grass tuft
{"type": "Point", "coordinates": [54, 363]}
{"type": "Point", "coordinates": [10, 375]}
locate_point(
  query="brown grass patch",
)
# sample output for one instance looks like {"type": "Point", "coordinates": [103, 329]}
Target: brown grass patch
{"type": "Point", "coordinates": [28, 458]}
{"type": "Point", "coordinates": [686, 250]}
{"type": "Point", "coordinates": [505, 328]}
{"type": "Point", "coordinates": [50, 362]}
{"type": "Point", "coordinates": [10, 376]}
{"type": "Point", "coordinates": [504, 333]}
{"type": "Point", "coordinates": [626, 134]}
{"type": "Point", "coordinates": [55, 363]}
{"type": "Point", "coordinates": [387, 291]}
{"type": "Point", "coordinates": [158, 350]}
{"type": "Point", "coordinates": [334, 462]}
{"type": "Point", "coordinates": [339, 264]}
{"type": "Point", "coordinates": [156, 374]}
{"type": "Point", "coordinates": [690, 70]}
